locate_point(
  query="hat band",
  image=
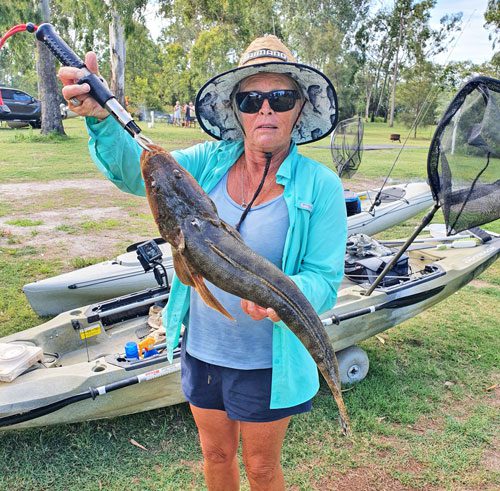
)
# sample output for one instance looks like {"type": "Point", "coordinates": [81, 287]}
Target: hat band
{"type": "Point", "coordinates": [264, 53]}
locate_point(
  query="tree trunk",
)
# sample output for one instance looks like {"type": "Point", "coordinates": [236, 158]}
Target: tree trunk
{"type": "Point", "coordinates": [395, 74]}
{"type": "Point", "coordinates": [382, 94]}
{"type": "Point", "coordinates": [369, 89]}
{"type": "Point", "coordinates": [47, 83]}
{"type": "Point", "coordinates": [117, 52]}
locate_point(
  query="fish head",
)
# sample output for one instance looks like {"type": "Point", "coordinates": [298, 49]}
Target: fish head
{"type": "Point", "coordinates": [160, 173]}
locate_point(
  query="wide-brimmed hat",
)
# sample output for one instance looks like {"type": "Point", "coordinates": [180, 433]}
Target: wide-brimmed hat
{"type": "Point", "coordinates": [267, 54]}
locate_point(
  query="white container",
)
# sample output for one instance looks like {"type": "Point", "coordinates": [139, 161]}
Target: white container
{"type": "Point", "coordinates": [16, 358]}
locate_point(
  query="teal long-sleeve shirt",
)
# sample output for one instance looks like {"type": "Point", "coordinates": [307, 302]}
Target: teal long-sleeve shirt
{"type": "Point", "coordinates": [313, 254]}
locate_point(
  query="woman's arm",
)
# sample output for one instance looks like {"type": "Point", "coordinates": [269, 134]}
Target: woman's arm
{"type": "Point", "coordinates": [115, 153]}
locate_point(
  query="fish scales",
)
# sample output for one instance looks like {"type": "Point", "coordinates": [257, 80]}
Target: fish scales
{"type": "Point", "coordinates": [204, 246]}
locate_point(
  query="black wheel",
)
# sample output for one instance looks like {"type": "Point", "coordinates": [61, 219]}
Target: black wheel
{"type": "Point", "coordinates": [36, 124]}
{"type": "Point", "coordinates": [353, 364]}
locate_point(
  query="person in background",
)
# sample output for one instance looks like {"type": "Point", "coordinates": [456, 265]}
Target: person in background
{"type": "Point", "coordinates": [190, 114]}
{"type": "Point", "coordinates": [177, 114]}
{"type": "Point", "coordinates": [244, 380]}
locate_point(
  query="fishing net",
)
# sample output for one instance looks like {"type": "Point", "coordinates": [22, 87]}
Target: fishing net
{"type": "Point", "coordinates": [463, 165]}
{"type": "Point", "coordinates": [347, 146]}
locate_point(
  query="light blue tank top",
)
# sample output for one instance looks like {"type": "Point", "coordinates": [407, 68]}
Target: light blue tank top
{"type": "Point", "coordinates": [245, 344]}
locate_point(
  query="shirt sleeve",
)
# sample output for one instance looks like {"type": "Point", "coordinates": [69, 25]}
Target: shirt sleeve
{"type": "Point", "coordinates": [117, 155]}
{"type": "Point", "coordinates": [322, 266]}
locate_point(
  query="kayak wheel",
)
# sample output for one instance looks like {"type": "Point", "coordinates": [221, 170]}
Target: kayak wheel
{"type": "Point", "coordinates": [353, 364]}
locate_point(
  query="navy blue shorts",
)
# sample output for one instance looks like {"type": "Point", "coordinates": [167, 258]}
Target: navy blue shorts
{"type": "Point", "coordinates": [244, 394]}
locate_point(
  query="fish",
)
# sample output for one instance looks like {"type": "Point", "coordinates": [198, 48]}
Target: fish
{"type": "Point", "coordinates": [207, 109]}
{"type": "Point", "coordinates": [331, 97]}
{"type": "Point", "coordinates": [314, 92]}
{"type": "Point", "coordinates": [206, 247]}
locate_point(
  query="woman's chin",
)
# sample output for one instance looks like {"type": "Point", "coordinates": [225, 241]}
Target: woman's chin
{"type": "Point", "coordinates": [270, 141]}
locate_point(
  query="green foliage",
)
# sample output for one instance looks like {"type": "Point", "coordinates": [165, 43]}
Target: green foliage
{"type": "Point", "coordinates": [492, 18]}
{"type": "Point", "coordinates": [24, 222]}
{"type": "Point", "coordinates": [31, 137]}
{"type": "Point", "coordinates": [416, 96]}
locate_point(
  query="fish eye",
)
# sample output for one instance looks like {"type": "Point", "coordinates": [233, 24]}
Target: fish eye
{"type": "Point", "coordinates": [177, 173]}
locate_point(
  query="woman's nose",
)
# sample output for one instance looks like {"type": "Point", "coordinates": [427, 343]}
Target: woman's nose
{"type": "Point", "coordinates": [266, 108]}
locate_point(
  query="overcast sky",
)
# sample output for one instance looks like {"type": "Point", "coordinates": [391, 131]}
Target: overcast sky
{"type": "Point", "coordinates": [472, 45]}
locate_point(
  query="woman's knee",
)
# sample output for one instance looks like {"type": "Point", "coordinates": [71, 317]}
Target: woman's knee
{"type": "Point", "coordinates": [260, 469]}
{"type": "Point", "coordinates": [218, 455]}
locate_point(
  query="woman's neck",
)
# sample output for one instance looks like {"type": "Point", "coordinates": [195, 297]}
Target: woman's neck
{"type": "Point", "coordinates": [255, 160]}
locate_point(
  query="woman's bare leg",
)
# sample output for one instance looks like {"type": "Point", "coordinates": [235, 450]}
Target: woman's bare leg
{"type": "Point", "coordinates": [262, 444]}
{"type": "Point", "coordinates": [219, 437]}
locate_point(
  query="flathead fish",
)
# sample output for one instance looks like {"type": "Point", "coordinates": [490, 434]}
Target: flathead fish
{"type": "Point", "coordinates": [205, 247]}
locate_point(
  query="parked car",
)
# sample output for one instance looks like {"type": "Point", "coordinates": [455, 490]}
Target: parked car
{"type": "Point", "coordinates": [18, 108]}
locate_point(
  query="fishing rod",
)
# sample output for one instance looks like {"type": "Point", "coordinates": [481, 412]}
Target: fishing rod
{"type": "Point", "coordinates": [46, 34]}
{"type": "Point", "coordinates": [421, 113]}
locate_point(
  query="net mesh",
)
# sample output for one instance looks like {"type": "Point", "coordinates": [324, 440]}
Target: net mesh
{"type": "Point", "coordinates": [346, 145]}
{"type": "Point", "coordinates": [464, 158]}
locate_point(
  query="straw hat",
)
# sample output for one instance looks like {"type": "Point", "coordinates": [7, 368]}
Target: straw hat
{"type": "Point", "coordinates": [268, 54]}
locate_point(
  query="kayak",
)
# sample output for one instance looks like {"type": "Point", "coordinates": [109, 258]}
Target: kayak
{"type": "Point", "coordinates": [81, 366]}
{"type": "Point", "coordinates": [124, 274]}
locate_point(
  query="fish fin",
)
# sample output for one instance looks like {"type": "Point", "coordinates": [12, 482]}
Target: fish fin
{"type": "Point", "coordinates": [187, 276]}
{"type": "Point", "coordinates": [208, 297]}
{"type": "Point", "coordinates": [182, 269]}
{"type": "Point", "coordinates": [231, 230]}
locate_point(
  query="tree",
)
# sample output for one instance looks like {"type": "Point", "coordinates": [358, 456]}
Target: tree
{"type": "Point", "coordinates": [492, 18]}
{"type": "Point", "coordinates": [17, 63]}
{"type": "Point", "coordinates": [47, 83]}
{"type": "Point", "coordinates": [416, 95]}
{"type": "Point", "coordinates": [417, 41]}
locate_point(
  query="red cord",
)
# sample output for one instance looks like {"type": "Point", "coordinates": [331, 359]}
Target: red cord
{"type": "Point", "coordinates": [13, 30]}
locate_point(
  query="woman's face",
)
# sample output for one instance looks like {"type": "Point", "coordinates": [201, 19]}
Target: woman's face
{"type": "Point", "coordinates": [268, 130]}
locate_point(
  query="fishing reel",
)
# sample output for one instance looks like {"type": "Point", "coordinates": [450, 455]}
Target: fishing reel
{"type": "Point", "coordinates": [150, 257]}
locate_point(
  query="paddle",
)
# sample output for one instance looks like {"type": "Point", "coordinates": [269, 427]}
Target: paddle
{"type": "Point", "coordinates": [391, 304]}
{"type": "Point", "coordinates": [92, 392]}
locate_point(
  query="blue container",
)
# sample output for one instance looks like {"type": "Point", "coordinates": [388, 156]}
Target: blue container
{"type": "Point", "coordinates": [132, 351]}
{"type": "Point", "coordinates": [352, 203]}
{"type": "Point", "coordinates": [151, 352]}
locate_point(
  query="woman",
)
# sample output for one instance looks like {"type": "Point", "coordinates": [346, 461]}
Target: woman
{"type": "Point", "coordinates": [177, 114]}
{"type": "Point", "coordinates": [246, 380]}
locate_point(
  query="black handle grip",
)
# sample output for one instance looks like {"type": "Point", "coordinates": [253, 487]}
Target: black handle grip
{"type": "Point", "coordinates": [98, 90]}
{"type": "Point", "coordinates": [48, 36]}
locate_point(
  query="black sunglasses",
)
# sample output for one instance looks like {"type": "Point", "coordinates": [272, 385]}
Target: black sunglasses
{"type": "Point", "coordinates": [279, 100]}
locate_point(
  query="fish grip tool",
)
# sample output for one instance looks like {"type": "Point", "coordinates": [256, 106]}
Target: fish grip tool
{"type": "Point", "coordinates": [46, 34]}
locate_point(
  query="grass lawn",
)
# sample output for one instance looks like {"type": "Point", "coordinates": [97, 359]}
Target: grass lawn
{"type": "Point", "coordinates": [426, 416]}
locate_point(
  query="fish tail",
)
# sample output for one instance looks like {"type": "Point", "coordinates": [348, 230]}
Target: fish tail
{"type": "Point", "coordinates": [345, 424]}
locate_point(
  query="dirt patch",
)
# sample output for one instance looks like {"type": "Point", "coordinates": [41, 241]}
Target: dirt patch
{"type": "Point", "coordinates": [361, 479]}
{"type": "Point", "coordinates": [21, 190]}
{"type": "Point", "coordinates": [102, 221]}
{"type": "Point", "coordinates": [482, 284]}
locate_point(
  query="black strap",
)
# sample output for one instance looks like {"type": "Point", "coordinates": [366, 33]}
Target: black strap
{"type": "Point", "coordinates": [269, 156]}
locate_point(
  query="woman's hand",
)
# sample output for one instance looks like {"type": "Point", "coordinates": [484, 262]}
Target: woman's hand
{"type": "Point", "coordinates": [258, 313]}
{"type": "Point", "coordinates": [69, 77]}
